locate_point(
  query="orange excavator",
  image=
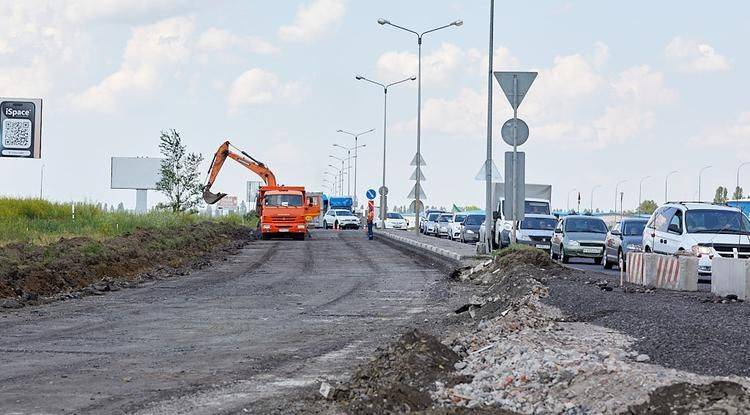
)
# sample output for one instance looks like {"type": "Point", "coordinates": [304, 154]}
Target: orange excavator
{"type": "Point", "coordinates": [283, 210]}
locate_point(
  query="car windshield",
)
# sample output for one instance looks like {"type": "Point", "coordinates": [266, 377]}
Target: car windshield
{"type": "Point", "coordinates": [282, 200]}
{"type": "Point", "coordinates": [445, 218]}
{"type": "Point", "coordinates": [585, 225]}
{"type": "Point", "coordinates": [459, 218]}
{"type": "Point", "coordinates": [536, 208]}
{"type": "Point", "coordinates": [395, 216]}
{"type": "Point", "coordinates": [344, 213]}
{"type": "Point", "coordinates": [432, 216]}
{"type": "Point", "coordinates": [546, 224]}
{"type": "Point", "coordinates": [474, 220]}
{"type": "Point", "coordinates": [633, 228]}
{"type": "Point", "coordinates": [717, 221]}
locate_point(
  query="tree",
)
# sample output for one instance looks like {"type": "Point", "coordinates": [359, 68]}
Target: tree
{"type": "Point", "coordinates": [179, 174]}
{"type": "Point", "coordinates": [737, 195]}
{"type": "Point", "coordinates": [721, 195]}
{"type": "Point", "coordinates": [647, 206]}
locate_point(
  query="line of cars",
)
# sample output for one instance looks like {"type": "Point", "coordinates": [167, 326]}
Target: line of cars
{"type": "Point", "coordinates": [457, 226]}
{"type": "Point", "coordinates": [705, 230]}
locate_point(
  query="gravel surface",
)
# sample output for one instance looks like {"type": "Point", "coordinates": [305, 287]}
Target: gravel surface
{"type": "Point", "coordinates": [244, 335]}
{"type": "Point", "coordinates": [676, 329]}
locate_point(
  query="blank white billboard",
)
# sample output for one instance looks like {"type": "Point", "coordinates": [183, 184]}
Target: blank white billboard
{"type": "Point", "coordinates": [135, 172]}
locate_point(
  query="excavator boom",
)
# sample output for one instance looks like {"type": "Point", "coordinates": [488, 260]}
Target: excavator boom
{"type": "Point", "coordinates": [244, 159]}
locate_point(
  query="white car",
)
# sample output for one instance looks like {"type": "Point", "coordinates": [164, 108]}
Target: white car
{"type": "Point", "coordinates": [457, 225]}
{"type": "Point", "coordinates": [341, 218]}
{"type": "Point", "coordinates": [444, 225]}
{"type": "Point", "coordinates": [395, 221]}
{"type": "Point", "coordinates": [704, 229]}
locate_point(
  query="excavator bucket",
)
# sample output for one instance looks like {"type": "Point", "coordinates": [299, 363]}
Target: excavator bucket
{"type": "Point", "coordinates": [212, 198]}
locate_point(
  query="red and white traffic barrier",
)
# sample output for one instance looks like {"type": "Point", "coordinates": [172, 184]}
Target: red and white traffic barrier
{"type": "Point", "coordinates": [662, 271]}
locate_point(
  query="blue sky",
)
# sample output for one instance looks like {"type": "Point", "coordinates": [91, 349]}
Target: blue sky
{"type": "Point", "coordinates": [624, 91]}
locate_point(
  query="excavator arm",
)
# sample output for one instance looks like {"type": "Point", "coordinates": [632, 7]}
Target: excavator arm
{"type": "Point", "coordinates": [244, 159]}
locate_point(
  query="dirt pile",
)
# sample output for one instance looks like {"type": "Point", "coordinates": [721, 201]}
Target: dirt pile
{"type": "Point", "coordinates": [30, 272]}
{"type": "Point", "coordinates": [719, 397]}
{"type": "Point", "coordinates": [400, 377]}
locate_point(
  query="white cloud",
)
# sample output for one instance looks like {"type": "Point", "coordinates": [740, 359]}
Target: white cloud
{"type": "Point", "coordinates": [120, 10]}
{"type": "Point", "coordinates": [502, 60]}
{"type": "Point", "coordinates": [692, 56]}
{"type": "Point", "coordinates": [216, 40]}
{"type": "Point", "coordinates": [437, 66]}
{"type": "Point", "coordinates": [258, 86]}
{"type": "Point", "coordinates": [153, 52]}
{"type": "Point", "coordinates": [736, 135]}
{"type": "Point", "coordinates": [573, 100]}
{"type": "Point", "coordinates": [313, 20]}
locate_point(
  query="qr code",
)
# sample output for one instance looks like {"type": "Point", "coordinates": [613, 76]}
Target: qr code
{"type": "Point", "coordinates": [16, 133]}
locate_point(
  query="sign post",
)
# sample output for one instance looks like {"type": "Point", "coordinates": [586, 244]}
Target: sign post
{"type": "Point", "coordinates": [515, 85]}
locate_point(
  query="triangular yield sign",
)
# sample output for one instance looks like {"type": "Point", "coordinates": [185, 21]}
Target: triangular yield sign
{"type": "Point", "coordinates": [414, 174]}
{"type": "Point", "coordinates": [524, 81]}
{"type": "Point", "coordinates": [496, 177]}
{"type": "Point", "coordinates": [413, 193]}
{"type": "Point", "coordinates": [421, 161]}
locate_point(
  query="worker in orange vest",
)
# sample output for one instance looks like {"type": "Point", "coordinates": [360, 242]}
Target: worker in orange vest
{"type": "Point", "coordinates": [370, 218]}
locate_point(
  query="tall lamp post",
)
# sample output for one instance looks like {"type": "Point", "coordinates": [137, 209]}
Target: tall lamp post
{"type": "Point", "coordinates": [640, 190]}
{"type": "Point", "coordinates": [339, 176]}
{"type": "Point", "coordinates": [349, 158]}
{"type": "Point", "coordinates": [567, 206]}
{"type": "Point", "coordinates": [738, 173]}
{"type": "Point", "coordinates": [356, 137]}
{"type": "Point", "coordinates": [591, 209]}
{"type": "Point", "coordinates": [383, 196]}
{"type": "Point", "coordinates": [666, 185]}
{"type": "Point", "coordinates": [617, 186]}
{"type": "Point", "coordinates": [418, 157]}
{"type": "Point", "coordinates": [700, 173]}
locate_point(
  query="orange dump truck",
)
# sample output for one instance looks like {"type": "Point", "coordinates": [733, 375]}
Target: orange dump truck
{"type": "Point", "coordinates": [283, 210]}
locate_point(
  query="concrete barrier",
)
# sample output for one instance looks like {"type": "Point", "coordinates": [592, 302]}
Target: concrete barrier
{"type": "Point", "coordinates": [730, 276]}
{"type": "Point", "coordinates": [663, 271]}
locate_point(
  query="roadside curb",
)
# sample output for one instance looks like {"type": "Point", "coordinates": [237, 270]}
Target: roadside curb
{"type": "Point", "coordinates": [445, 253]}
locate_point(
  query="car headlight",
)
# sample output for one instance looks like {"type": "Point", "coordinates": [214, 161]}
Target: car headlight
{"type": "Point", "coordinates": [634, 248]}
{"type": "Point", "coordinates": [469, 231]}
{"type": "Point", "coordinates": [573, 243]}
{"type": "Point", "coordinates": [702, 250]}
{"type": "Point", "coordinates": [522, 237]}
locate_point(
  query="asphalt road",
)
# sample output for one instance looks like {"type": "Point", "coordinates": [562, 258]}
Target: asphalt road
{"type": "Point", "coordinates": [274, 318]}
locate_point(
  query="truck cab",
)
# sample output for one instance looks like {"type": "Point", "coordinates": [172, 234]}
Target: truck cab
{"type": "Point", "coordinates": [282, 211]}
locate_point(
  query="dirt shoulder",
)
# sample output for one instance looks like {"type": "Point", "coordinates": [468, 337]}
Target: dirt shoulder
{"type": "Point", "coordinates": [73, 267]}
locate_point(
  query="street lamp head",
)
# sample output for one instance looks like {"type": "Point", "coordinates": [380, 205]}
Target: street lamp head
{"type": "Point", "coordinates": [359, 78]}
{"type": "Point", "coordinates": [458, 23]}
{"type": "Point", "coordinates": [413, 78]}
{"type": "Point", "coordinates": [382, 21]}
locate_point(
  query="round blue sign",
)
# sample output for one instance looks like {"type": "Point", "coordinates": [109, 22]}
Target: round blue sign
{"type": "Point", "coordinates": [371, 194]}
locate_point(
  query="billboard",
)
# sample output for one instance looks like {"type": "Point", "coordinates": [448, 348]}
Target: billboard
{"type": "Point", "coordinates": [21, 127]}
{"type": "Point", "coordinates": [135, 172]}
{"type": "Point", "coordinates": [228, 203]}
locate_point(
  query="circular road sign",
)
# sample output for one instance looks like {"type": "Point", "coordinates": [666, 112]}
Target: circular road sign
{"type": "Point", "coordinates": [383, 191]}
{"type": "Point", "coordinates": [522, 131]}
{"type": "Point", "coordinates": [370, 194]}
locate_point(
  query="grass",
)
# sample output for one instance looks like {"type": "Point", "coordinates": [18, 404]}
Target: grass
{"type": "Point", "coordinates": [40, 221]}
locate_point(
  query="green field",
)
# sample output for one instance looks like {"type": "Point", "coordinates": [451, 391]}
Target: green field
{"type": "Point", "coordinates": [40, 221]}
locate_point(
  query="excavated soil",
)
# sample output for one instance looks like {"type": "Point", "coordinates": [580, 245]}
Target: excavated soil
{"type": "Point", "coordinates": [29, 273]}
{"type": "Point", "coordinates": [399, 378]}
{"type": "Point", "coordinates": [720, 397]}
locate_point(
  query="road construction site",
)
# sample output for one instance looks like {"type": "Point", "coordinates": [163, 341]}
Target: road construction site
{"type": "Point", "coordinates": [338, 323]}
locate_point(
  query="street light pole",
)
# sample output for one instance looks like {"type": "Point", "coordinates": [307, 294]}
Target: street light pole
{"type": "Point", "coordinates": [356, 137]}
{"type": "Point", "coordinates": [666, 185]}
{"type": "Point", "coordinates": [616, 192]}
{"type": "Point", "coordinates": [700, 172]}
{"type": "Point", "coordinates": [567, 205]}
{"type": "Point", "coordinates": [340, 176]}
{"type": "Point", "coordinates": [384, 197]}
{"type": "Point", "coordinates": [591, 209]}
{"type": "Point", "coordinates": [418, 156]}
{"type": "Point", "coordinates": [738, 173]}
{"type": "Point", "coordinates": [640, 189]}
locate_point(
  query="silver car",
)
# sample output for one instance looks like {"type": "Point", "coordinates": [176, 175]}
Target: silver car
{"type": "Point", "coordinates": [579, 236]}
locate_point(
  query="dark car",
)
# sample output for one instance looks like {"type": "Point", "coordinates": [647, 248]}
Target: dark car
{"type": "Point", "coordinates": [626, 236]}
{"type": "Point", "coordinates": [470, 228]}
